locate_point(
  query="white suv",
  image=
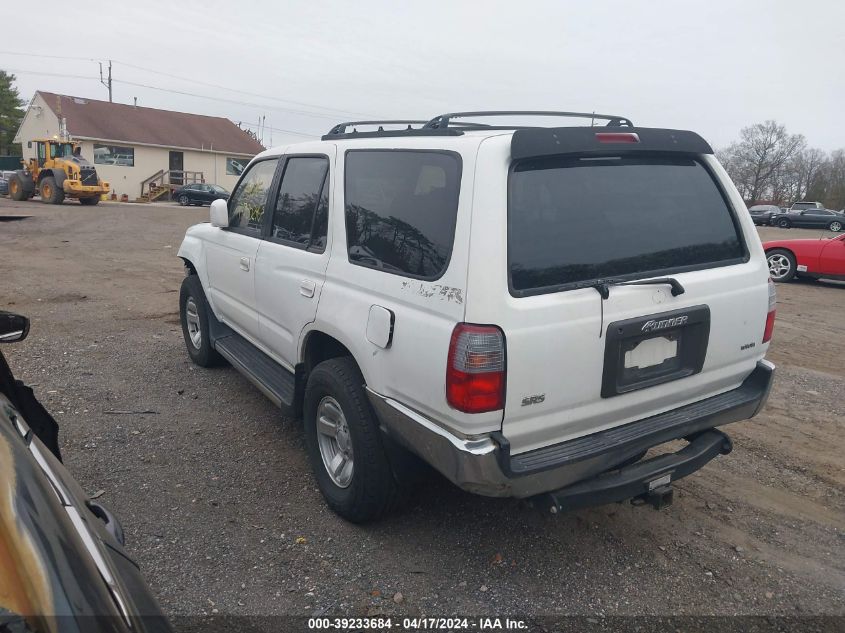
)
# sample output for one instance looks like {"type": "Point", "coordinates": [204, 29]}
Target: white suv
{"type": "Point", "coordinates": [527, 309]}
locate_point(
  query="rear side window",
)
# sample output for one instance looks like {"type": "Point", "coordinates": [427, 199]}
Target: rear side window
{"type": "Point", "coordinates": [572, 220]}
{"type": "Point", "coordinates": [401, 208]}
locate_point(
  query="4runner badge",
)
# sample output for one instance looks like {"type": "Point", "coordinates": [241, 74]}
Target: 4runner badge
{"type": "Point", "coordinates": [662, 324]}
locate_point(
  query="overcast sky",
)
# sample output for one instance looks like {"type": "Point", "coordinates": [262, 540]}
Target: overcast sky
{"type": "Point", "coordinates": [712, 67]}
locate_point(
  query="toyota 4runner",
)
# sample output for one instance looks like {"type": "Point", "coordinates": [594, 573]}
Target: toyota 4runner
{"type": "Point", "coordinates": [527, 309]}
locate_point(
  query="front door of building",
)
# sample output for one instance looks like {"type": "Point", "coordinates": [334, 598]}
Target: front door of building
{"type": "Point", "coordinates": [177, 165]}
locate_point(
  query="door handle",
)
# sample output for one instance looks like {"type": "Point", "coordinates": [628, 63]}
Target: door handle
{"type": "Point", "coordinates": [244, 263]}
{"type": "Point", "coordinates": [307, 287]}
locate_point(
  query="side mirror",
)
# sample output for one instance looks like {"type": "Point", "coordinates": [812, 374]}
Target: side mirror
{"type": "Point", "coordinates": [13, 327]}
{"type": "Point", "coordinates": [219, 213]}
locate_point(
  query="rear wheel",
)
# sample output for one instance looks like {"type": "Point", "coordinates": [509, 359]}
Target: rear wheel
{"type": "Point", "coordinates": [783, 223]}
{"type": "Point", "coordinates": [184, 200]}
{"type": "Point", "coordinates": [344, 443]}
{"type": "Point", "coordinates": [49, 192]}
{"type": "Point", "coordinates": [89, 202]}
{"type": "Point", "coordinates": [16, 189]}
{"type": "Point", "coordinates": [835, 226]}
{"type": "Point", "coordinates": [781, 264]}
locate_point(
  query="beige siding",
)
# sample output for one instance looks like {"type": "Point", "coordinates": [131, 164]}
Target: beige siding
{"type": "Point", "coordinates": [41, 122]}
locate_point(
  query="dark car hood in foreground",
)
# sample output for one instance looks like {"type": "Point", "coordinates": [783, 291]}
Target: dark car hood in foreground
{"type": "Point", "coordinates": [54, 552]}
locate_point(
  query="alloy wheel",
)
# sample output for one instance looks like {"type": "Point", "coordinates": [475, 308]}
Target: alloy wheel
{"type": "Point", "coordinates": [779, 266]}
{"type": "Point", "coordinates": [193, 321]}
{"type": "Point", "coordinates": [334, 441]}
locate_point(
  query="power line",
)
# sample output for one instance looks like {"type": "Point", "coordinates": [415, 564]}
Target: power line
{"type": "Point", "coordinates": [234, 101]}
{"type": "Point", "coordinates": [278, 129]}
{"type": "Point", "coordinates": [244, 92]}
{"type": "Point", "coordinates": [204, 83]}
{"type": "Point", "coordinates": [275, 129]}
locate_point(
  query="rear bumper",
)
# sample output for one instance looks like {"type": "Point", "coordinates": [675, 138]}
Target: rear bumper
{"type": "Point", "coordinates": [484, 465]}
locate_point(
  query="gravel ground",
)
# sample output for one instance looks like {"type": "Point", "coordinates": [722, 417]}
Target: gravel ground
{"type": "Point", "coordinates": [223, 515]}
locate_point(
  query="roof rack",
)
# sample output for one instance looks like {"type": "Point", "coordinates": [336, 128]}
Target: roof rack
{"type": "Point", "coordinates": [447, 125]}
{"type": "Point", "coordinates": [340, 128]}
{"type": "Point", "coordinates": [445, 120]}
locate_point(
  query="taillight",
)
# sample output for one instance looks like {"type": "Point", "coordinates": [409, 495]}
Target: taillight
{"type": "Point", "coordinates": [475, 375]}
{"type": "Point", "coordinates": [770, 317]}
{"type": "Point", "coordinates": [617, 137]}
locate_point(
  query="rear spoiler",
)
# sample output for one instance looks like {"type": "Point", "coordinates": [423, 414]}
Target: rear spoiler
{"type": "Point", "coordinates": [537, 142]}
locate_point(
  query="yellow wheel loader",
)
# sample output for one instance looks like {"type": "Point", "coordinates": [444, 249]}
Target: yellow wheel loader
{"type": "Point", "coordinates": [58, 171]}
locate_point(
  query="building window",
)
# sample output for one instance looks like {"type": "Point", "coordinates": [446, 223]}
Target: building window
{"type": "Point", "coordinates": [114, 155]}
{"type": "Point", "coordinates": [235, 166]}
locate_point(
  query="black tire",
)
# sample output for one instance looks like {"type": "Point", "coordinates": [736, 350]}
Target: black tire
{"type": "Point", "coordinates": [184, 200]}
{"type": "Point", "coordinates": [89, 202]}
{"type": "Point", "coordinates": [192, 293]}
{"type": "Point", "coordinates": [373, 490]}
{"type": "Point", "coordinates": [783, 223]}
{"type": "Point", "coordinates": [787, 264]}
{"type": "Point", "coordinates": [49, 192]}
{"type": "Point", "coordinates": [835, 226]}
{"type": "Point", "coordinates": [17, 191]}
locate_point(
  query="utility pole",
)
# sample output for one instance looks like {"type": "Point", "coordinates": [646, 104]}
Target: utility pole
{"type": "Point", "coordinates": [107, 84]}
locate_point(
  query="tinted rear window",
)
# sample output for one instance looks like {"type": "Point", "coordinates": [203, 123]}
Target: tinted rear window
{"type": "Point", "coordinates": [401, 208]}
{"type": "Point", "coordinates": [573, 220]}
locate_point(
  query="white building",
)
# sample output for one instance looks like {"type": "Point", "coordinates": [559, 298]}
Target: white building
{"type": "Point", "coordinates": [133, 147]}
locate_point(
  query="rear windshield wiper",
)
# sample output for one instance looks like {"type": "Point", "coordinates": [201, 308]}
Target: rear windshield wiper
{"type": "Point", "coordinates": [602, 286]}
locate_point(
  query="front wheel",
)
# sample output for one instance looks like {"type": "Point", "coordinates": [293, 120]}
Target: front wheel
{"type": "Point", "coordinates": [344, 443]}
{"type": "Point", "coordinates": [781, 264]}
{"type": "Point", "coordinates": [835, 226]}
{"type": "Point", "coordinates": [50, 193]}
{"type": "Point", "coordinates": [783, 223]}
{"type": "Point", "coordinates": [193, 313]}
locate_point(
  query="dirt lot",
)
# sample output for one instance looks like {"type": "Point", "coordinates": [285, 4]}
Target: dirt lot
{"type": "Point", "coordinates": [215, 492]}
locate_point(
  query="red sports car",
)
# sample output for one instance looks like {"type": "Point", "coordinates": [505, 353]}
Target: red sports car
{"type": "Point", "coordinates": [806, 258]}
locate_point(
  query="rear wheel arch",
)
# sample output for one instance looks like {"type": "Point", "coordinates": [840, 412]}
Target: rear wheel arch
{"type": "Point", "coordinates": [319, 346]}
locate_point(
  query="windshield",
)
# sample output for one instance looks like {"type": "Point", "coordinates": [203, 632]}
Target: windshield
{"type": "Point", "coordinates": [573, 220]}
{"type": "Point", "coordinates": [61, 150]}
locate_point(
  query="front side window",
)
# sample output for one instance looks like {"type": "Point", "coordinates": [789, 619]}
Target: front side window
{"type": "Point", "coordinates": [401, 209]}
{"type": "Point", "coordinates": [574, 220]}
{"type": "Point", "coordinates": [246, 206]}
{"type": "Point", "coordinates": [302, 205]}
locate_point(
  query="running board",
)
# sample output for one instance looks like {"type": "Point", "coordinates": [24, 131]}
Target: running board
{"type": "Point", "coordinates": [274, 381]}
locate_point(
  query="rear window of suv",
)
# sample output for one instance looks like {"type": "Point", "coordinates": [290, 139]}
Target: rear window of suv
{"type": "Point", "coordinates": [573, 220]}
{"type": "Point", "coordinates": [401, 208]}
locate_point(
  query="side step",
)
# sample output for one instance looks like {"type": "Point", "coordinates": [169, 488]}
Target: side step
{"type": "Point", "coordinates": [276, 382]}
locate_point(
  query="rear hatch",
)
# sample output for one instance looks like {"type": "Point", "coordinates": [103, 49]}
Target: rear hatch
{"type": "Point", "coordinates": [585, 351]}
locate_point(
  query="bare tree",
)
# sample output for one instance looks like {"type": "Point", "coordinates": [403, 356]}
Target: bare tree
{"type": "Point", "coordinates": [763, 151]}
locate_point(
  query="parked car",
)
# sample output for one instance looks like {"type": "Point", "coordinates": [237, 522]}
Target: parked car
{"type": "Point", "coordinates": [64, 565]}
{"type": "Point", "coordinates": [805, 205]}
{"type": "Point", "coordinates": [199, 194]}
{"type": "Point", "coordinates": [764, 214]}
{"type": "Point", "coordinates": [526, 321]}
{"type": "Point", "coordinates": [812, 218]}
{"type": "Point", "coordinates": [806, 258]}
{"type": "Point", "coordinates": [4, 182]}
